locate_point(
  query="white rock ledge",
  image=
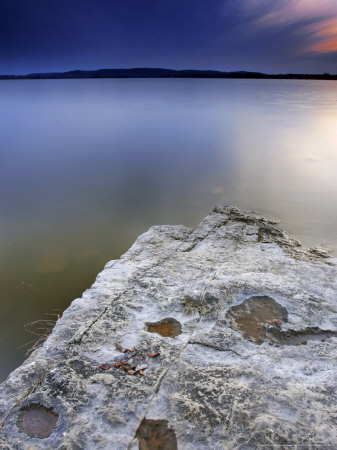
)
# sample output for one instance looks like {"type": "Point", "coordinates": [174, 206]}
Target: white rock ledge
{"type": "Point", "coordinates": [214, 386]}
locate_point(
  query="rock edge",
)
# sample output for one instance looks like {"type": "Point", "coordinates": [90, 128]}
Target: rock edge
{"type": "Point", "coordinates": [211, 386]}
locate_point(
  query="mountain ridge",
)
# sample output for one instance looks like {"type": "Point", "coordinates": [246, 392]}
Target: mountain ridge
{"type": "Point", "coordinates": [149, 72]}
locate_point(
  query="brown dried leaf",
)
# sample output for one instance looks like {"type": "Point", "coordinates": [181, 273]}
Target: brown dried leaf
{"type": "Point", "coordinates": [119, 364]}
{"type": "Point", "coordinates": [105, 366]}
{"type": "Point", "coordinates": [120, 348]}
{"type": "Point", "coordinates": [131, 372]}
{"type": "Point", "coordinates": [153, 355]}
{"type": "Point", "coordinates": [141, 372]}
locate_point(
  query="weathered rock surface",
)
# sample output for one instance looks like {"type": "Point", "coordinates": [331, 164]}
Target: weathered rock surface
{"type": "Point", "coordinates": [244, 321]}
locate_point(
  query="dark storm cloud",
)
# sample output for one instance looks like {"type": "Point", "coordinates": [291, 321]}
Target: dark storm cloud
{"type": "Point", "coordinates": [266, 35]}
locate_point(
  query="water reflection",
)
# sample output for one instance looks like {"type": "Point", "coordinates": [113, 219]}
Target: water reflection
{"type": "Point", "coordinates": [87, 165]}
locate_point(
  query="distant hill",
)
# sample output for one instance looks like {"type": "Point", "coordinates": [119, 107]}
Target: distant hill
{"type": "Point", "coordinates": [164, 73]}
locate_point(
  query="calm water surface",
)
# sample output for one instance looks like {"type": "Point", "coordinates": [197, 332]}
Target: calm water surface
{"type": "Point", "coordinates": [88, 165]}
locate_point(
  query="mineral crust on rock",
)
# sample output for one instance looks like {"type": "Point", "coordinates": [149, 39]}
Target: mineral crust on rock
{"type": "Point", "coordinates": [226, 338]}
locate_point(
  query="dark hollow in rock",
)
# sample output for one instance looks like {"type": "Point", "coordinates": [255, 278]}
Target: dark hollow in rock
{"type": "Point", "coordinates": [255, 316]}
{"type": "Point", "coordinates": [292, 337]}
{"type": "Point", "coordinates": [38, 421]}
{"type": "Point", "coordinates": [155, 435]}
{"type": "Point", "coordinates": [167, 327]}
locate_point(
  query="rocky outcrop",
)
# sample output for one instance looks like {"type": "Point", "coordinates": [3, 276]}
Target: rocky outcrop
{"type": "Point", "coordinates": [220, 337]}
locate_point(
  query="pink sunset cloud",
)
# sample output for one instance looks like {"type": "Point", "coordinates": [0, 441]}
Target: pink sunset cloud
{"type": "Point", "coordinates": [326, 36]}
{"type": "Point", "coordinates": [316, 18]}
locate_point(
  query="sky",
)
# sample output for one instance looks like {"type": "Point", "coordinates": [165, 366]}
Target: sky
{"type": "Point", "coordinates": [273, 36]}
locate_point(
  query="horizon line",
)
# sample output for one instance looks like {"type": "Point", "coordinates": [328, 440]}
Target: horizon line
{"type": "Point", "coordinates": [204, 72]}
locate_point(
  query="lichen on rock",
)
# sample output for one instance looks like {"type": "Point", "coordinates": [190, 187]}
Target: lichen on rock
{"type": "Point", "coordinates": [214, 338]}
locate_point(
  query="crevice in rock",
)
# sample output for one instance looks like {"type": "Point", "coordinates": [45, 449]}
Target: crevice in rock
{"type": "Point", "coordinates": [245, 219]}
{"type": "Point", "coordinates": [260, 235]}
{"type": "Point", "coordinates": [213, 347]}
{"type": "Point", "coordinates": [192, 245]}
{"type": "Point", "coordinates": [301, 337]}
{"type": "Point", "coordinates": [197, 240]}
{"type": "Point", "coordinates": [78, 339]}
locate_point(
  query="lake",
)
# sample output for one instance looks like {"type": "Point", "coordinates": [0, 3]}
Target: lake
{"type": "Point", "coordinates": [88, 165]}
